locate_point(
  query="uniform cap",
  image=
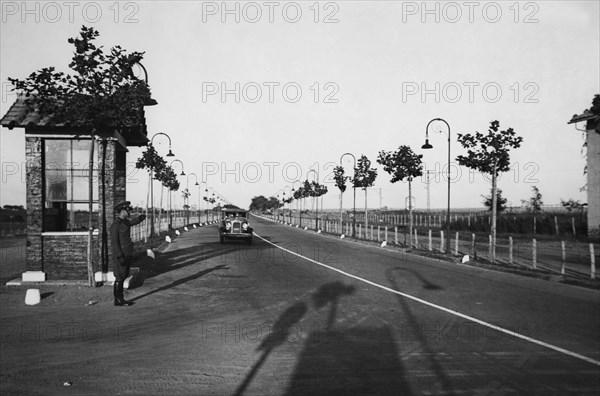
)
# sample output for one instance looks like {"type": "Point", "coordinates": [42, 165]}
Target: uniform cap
{"type": "Point", "coordinates": [123, 205]}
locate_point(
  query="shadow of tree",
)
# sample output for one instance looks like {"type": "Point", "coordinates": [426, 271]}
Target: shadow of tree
{"type": "Point", "coordinates": [180, 258]}
{"type": "Point", "coordinates": [353, 361]}
{"type": "Point", "coordinates": [330, 293]}
{"type": "Point", "coordinates": [278, 335]}
{"type": "Point", "coordinates": [181, 281]}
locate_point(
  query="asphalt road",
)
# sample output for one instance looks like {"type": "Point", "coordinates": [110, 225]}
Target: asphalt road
{"type": "Point", "coordinates": [323, 316]}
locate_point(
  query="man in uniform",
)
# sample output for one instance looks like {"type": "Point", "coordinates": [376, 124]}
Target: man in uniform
{"type": "Point", "coordinates": [122, 248]}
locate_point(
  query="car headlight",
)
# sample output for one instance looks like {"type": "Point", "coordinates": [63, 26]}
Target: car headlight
{"type": "Point", "coordinates": [245, 226]}
{"type": "Point", "coordinates": [228, 226]}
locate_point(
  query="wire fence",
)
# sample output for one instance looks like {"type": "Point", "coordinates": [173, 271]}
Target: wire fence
{"type": "Point", "coordinates": [555, 221]}
{"type": "Point", "coordinates": [555, 256]}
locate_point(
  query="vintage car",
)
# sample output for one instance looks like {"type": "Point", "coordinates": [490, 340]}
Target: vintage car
{"type": "Point", "coordinates": [234, 225]}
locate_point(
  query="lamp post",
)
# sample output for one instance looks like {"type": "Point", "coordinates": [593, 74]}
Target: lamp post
{"type": "Point", "coordinates": [170, 194]}
{"type": "Point", "coordinates": [205, 197]}
{"type": "Point", "coordinates": [353, 188]}
{"type": "Point", "coordinates": [297, 201]}
{"type": "Point", "coordinates": [317, 200]}
{"type": "Point", "coordinates": [427, 146]}
{"type": "Point", "coordinates": [187, 184]}
{"type": "Point", "coordinates": [170, 154]}
{"type": "Point", "coordinates": [281, 191]}
{"type": "Point", "coordinates": [289, 198]}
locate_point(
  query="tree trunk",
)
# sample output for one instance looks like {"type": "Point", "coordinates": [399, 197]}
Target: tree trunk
{"type": "Point", "coordinates": [90, 264]}
{"type": "Point", "coordinates": [410, 212]}
{"type": "Point", "coordinates": [494, 203]}
{"type": "Point", "coordinates": [341, 212]}
{"type": "Point", "coordinates": [161, 207]}
{"type": "Point", "coordinates": [366, 211]}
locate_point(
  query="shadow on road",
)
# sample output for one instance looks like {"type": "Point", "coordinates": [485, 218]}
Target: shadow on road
{"type": "Point", "coordinates": [435, 366]}
{"type": "Point", "coordinates": [180, 258]}
{"type": "Point", "coordinates": [352, 361]}
{"type": "Point", "coordinates": [181, 281]}
{"type": "Point", "coordinates": [278, 335]}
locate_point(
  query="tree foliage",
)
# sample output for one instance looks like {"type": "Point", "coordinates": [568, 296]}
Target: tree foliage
{"type": "Point", "coordinates": [262, 203]}
{"type": "Point", "coordinates": [571, 204]}
{"type": "Point", "coordinates": [102, 93]}
{"type": "Point", "coordinates": [364, 175]}
{"type": "Point", "coordinates": [534, 204]}
{"type": "Point", "coordinates": [485, 151]}
{"type": "Point", "coordinates": [401, 164]}
{"type": "Point", "coordinates": [500, 201]}
{"type": "Point", "coordinates": [340, 178]}
{"type": "Point", "coordinates": [152, 161]}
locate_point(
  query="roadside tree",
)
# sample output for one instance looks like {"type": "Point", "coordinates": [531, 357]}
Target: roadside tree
{"type": "Point", "coordinates": [489, 154]}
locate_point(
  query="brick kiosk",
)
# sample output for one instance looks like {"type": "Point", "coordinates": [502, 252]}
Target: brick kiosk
{"type": "Point", "coordinates": [57, 185]}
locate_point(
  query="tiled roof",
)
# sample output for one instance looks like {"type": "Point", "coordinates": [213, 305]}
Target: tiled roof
{"type": "Point", "coordinates": [21, 116]}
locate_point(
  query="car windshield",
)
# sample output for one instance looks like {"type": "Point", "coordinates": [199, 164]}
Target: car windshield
{"type": "Point", "coordinates": [233, 215]}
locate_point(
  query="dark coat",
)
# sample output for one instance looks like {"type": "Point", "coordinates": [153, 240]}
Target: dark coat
{"type": "Point", "coordinates": [122, 246]}
{"type": "Point", "coordinates": [120, 237]}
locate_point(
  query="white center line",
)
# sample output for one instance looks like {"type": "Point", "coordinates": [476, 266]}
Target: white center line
{"type": "Point", "coordinates": [450, 311]}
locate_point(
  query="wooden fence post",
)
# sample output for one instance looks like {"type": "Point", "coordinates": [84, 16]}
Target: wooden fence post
{"type": "Point", "coordinates": [573, 225]}
{"type": "Point", "coordinates": [534, 253]}
{"type": "Point", "coordinates": [490, 246]}
{"type": "Point", "coordinates": [442, 241]}
{"type": "Point", "coordinates": [592, 262]}
{"type": "Point", "coordinates": [510, 250]}
{"type": "Point", "coordinates": [430, 245]}
{"type": "Point", "coordinates": [474, 252]}
{"type": "Point", "coordinates": [456, 244]}
{"type": "Point", "coordinates": [396, 235]}
{"type": "Point", "coordinates": [556, 224]}
{"type": "Point", "coordinates": [416, 239]}
{"type": "Point", "coordinates": [563, 257]}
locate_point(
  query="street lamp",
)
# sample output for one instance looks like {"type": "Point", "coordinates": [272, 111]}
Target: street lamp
{"type": "Point", "coordinates": [427, 146]}
{"type": "Point", "coordinates": [205, 197]}
{"type": "Point", "coordinates": [292, 193]}
{"type": "Point", "coordinates": [150, 101]}
{"type": "Point", "coordinates": [170, 193]}
{"type": "Point", "coordinates": [317, 200]}
{"type": "Point", "coordinates": [289, 198]}
{"type": "Point", "coordinates": [187, 187]}
{"type": "Point", "coordinates": [170, 154]}
{"type": "Point", "coordinates": [354, 188]}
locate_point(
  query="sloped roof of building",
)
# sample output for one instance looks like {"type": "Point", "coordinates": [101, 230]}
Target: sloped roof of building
{"type": "Point", "coordinates": [592, 120]}
{"type": "Point", "coordinates": [20, 115]}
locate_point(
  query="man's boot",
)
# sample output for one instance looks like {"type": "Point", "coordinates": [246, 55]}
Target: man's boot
{"type": "Point", "coordinates": [122, 297]}
{"type": "Point", "coordinates": [118, 292]}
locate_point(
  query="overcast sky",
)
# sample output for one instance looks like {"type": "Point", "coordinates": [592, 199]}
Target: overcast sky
{"type": "Point", "coordinates": [254, 94]}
